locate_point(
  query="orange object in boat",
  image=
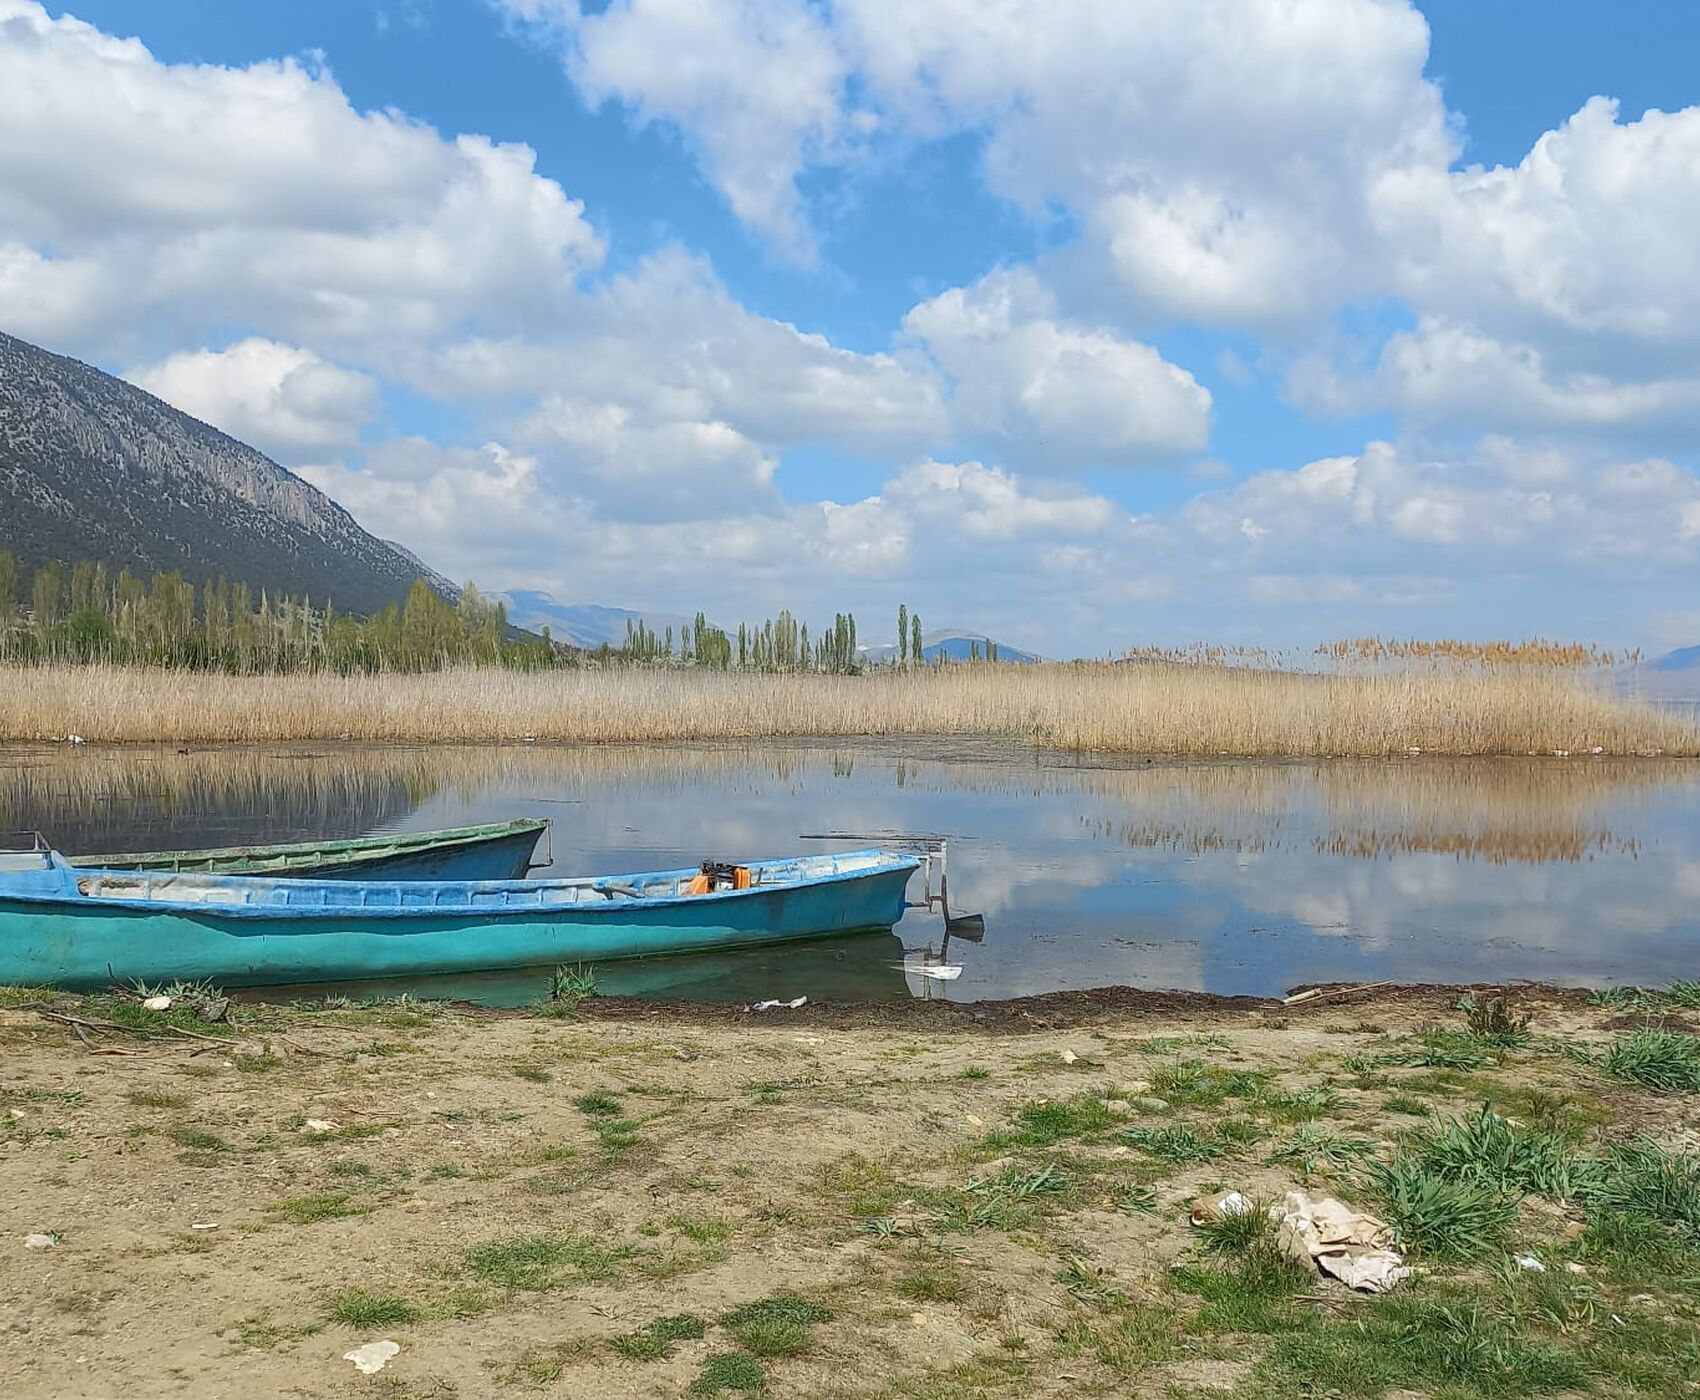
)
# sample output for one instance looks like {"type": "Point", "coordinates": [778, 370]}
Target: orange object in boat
{"type": "Point", "coordinates": [741, 877]}
{"type": "Point", "coordinates": [702, 884]}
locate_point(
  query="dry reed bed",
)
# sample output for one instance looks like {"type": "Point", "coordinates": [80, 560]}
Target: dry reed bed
{"type": "Point", "coordinates": [1132, 708]}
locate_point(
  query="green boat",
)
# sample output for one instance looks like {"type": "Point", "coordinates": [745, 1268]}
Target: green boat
{"type": "Point", "coordinates": [496, 851]}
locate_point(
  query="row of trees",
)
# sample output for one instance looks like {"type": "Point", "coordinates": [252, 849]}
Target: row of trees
{"type": "Point", "coordinates": [82, 614]}
{"type": "Point", "coordinates": [778, 644]}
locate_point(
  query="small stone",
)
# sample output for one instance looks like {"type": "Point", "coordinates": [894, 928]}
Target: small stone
{"type": "Point", "coordinates": [1068, 1056]}
{"type": "Point", "coordinates": [157, 1004]}
{"type": "Point", "coordinates": [318, 1125]}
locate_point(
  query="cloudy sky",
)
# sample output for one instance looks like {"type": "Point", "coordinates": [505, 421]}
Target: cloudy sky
{"type": "Point", "coordinates": [1088, 323]}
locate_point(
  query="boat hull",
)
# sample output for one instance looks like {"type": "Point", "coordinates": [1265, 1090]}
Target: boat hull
{"type": "Point", "coordinates": [92, 943]}
{"type": "Point", "coordinates": [496, 852]}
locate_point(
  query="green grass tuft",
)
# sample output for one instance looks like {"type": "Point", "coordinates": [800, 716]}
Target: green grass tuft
{"type": "Point", "coordinates": [1656, 1058]}
{"type": "Point", "coordinates": [729, 1370]}
{"type": "Point", "coordinates": [1310, 1146]}
{"type": "Point", "coordinates": [654, 1341]}
{"type": "Point", "coordinates": [1490, 1150]}
{"type": "Point", "coordinates": [358, 1307]}
{"type": "Point", "coordinates": [1193, 1083]}
{"type": "Point", "coordinates": [540, 1263]}
{"type": "Point", "coordinates": [1178, 1144]}
{"type": "Point", "coordinates": [1439, 1217]}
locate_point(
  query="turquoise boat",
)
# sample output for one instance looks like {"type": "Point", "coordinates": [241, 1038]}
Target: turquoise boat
{"type": "Point", "coordinates": [494, 851]}
{"type": "Point", "coordinates": [64, 925]}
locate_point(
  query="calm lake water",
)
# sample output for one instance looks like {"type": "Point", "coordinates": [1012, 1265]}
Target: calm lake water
{"type": "Point", "coordinates": [1231, 877]}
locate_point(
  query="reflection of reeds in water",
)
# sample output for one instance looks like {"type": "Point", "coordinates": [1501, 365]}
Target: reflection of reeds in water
{"type": "Point", "coordinates": [1497, 810]}
{"type": "Point", "coordinates": [1140, 708]}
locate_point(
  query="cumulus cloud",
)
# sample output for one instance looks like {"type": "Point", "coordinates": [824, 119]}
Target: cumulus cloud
{"type": "Point", "coordinates": [1052, 392]}
{"type": "Point", "coordinates": [282, 399]}
{"type": "Point", "coordinates": [136, 191]}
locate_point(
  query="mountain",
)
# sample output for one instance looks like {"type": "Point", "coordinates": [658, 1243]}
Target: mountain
{"type": "Point", "coordinates": [586, 625]}
{"type": "Point", "coordinates": [94, 468]}
{"type": "Point", "coordinates": [1682, 659]}
{"type": "Point", "coordinates": [949, 645]}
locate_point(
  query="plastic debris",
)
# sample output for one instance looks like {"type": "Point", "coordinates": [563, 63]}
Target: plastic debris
{"type": "Point", "coordinates": [939, 972]}
{"type": "Point", "coordinates": [776, 1003]}
{"type": "Point", "coordinates": [1068, 1056]}
{"type": "Point", "coordinates": [204, 1225]}
{"type": "Point", "coordinates": [1341, 1242]}
{"type": "Point", "coordinates": [40, 1241]}
{"type": "Point", "coordinates": [1531, 1264]}
{"type": "Point", "coordinates": [1228, 1203]}
{"type": "Point", "coordinates": [157, 1004]}
{"type": "Point", "coordinates": [373, 1357]}
{"type": "Point", "coordinates": [318, 1125]}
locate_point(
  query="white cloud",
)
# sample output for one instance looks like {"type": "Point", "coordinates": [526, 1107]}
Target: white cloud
{"type": "Point", "coordinates": [192, 196]}
{"type": "Point", "coordinates": [1053, 393]}
{"type": "Point", "coordinates": [282, 399]}
{"type": "Point", "coordinates": [753, 85]}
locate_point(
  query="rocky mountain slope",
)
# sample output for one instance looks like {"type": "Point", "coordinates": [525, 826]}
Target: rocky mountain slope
{"type": "Point", "coordinates": [94, 468]}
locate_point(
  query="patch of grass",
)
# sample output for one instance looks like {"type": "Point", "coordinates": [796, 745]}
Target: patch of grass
{"type": "Point", "coordinates": [1657, 1059]}
{"type": "Point", "coordinates": [1236, 1232]}
{"type": "Point", "coordinates": [778, 1307]}
{"type": "Point", "coordinates": [358, 1170]}
{"type": "Point", "coordinates": [534, 1074]}
{"type": "Point", "coordinates": [1408, 1104]}
{"type": "Point", "coordinates": [1642, 1182]}
{"type": "Point", "coordinates": [1685, 994]}
{"type": "Point", "coordinates": [1178, 1144]}
{"type": "Point", "coordinates": [541, 1263]}
{"type": "Point", "coordinates": [1488, 1149]}
{"type": "Point", "coordinates": [1195, 1084]}
{"type": "Point", "coordinates": [360, 1307]}
{"type": "Point", "coordinates": [865, 1189]}
{"type": "Point", "coordinates": [598, 1105]}
{"type": "Point", "coordinates": [1136, 1195]}
{"type": "Point", "coordinates": [1241, 1131]}
{"type": "Point", "coordinates": [261, 1332]}
{"type": "Point", "coordinates": [199, 1139]}
{"type": "Point", "coordinates": [1448, 1049]}
{"type": "Point", "coordinates": [934, 1281]}
{"type": "Point", "coordinates": [155, 1098]}
{"type": "Point", "coordinates": [1311, 1145]}
{"type": "Point", "coordinates": [729, 1370]}
{"type": "Point", "coordinates": [1493, 1021]}
{"type": "Point", "coordinates": [1442, 1218]}
{"type": "Point", "coordinates": [1084, 1117]}
{"type": "Point", "coordinates": [1445, 1348]}
{"type": "Point", "coordinates": [1007, 1201]}
{"type": "Point", "coordinates": [1246, 1291]}
{"type": "Point", "coordinates": [309, 1210]}
{"type": "Point", "coordinates": [1296, 1105]}
{"type": "Point", "coordinates": [1136, 1338]}
{"type": "Point", "coordinates": [654, 1340]}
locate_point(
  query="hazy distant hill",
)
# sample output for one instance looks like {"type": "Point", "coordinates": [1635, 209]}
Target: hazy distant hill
{"type": "Point", "coordinates": [1682, 659]}
{"type": "Point", "coordinates": [951, 645]}
{"type": "Point", "coordinates": [94, 468]}
{"type": "Point", "coordinates": [586, 625]}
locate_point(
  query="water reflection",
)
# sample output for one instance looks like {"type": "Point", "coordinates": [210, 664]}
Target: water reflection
{"type": "Point", "coordinates": [1230, 876]}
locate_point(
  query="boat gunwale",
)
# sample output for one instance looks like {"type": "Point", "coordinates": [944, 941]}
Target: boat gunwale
{"type": "Point", "coordinates": [74, 898]}
{"type": "Point", "coordinates": [354, 847]}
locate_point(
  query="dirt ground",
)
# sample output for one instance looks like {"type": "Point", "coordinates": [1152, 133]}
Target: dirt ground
{"type": "Point", "coordinates": [933, 1201]}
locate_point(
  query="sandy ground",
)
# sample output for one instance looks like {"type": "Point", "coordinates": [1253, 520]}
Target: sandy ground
{"type": "Point", "coordinates": [213, 1204]}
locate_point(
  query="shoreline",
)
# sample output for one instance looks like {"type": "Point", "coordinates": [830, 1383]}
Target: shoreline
{"type": "Point", "coordinates": [601, 1202]}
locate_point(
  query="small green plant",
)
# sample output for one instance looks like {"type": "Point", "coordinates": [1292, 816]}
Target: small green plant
{"type": "Point", "coordinates": [197, 1138]}
{"type": "Point", "coordinates": [1296, 1105]}
{"type": "Point", "coordinates": [540, 1263]}
{"type": "Point", "coordinates": [654, 1341]}
{"type": "Point", "coordinates": [1137, 1196]}
{"type": "Point", "coordinates": [1237, 1231]}
{"type": "Point", "coordinates": [1685, 994]}
{"type": "Point", "coordinates": [1311, 1145]}
{"type": "Point", "coordinates": [1487, 1148]}
{"type": "Point", "coordinates": [1493, 1022]}
{"type": "Point", "coordinates": [155, 1098]}
{"type": "Point", "coordinates": [357, 1307]}
{"type": "Point", "coordinates": [1197, 1084]}
{"type": "Point", "coordinates": [777, 1325]}
{"type": "Point", "coordinates": [934, 1281]}
{"type": "Point", "coordinates": [571, 985]}
{"type": "Point", "coordinates": [729, 1370]}
{"type": "Point", "coordinates": [1437, 1216]}
{"type": "Point", "coordinates": [309, 1210]}
{"type": "Point", "coordinates": [598, 1105]}
{"type": "Point", "coordinates": [1177, 1144]}
{"type": "Point", "coordinates": [1408, 1104]}
{"type": "Point", "coordinates": [1656, 1058]}
{"type": "Point", "coordinates": [1052, 1120]}
{"type": "Point", "coordinates": [534, 1074]}
{"type": "Point", "coordinates": [1644, 1183]}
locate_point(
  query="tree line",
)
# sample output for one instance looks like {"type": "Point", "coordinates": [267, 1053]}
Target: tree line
{"type": "Point", "coordinates": [82, 613]}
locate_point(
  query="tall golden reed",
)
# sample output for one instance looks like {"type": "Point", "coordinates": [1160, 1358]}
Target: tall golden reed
{"type": "Point", "coordinates": [1141, 708]}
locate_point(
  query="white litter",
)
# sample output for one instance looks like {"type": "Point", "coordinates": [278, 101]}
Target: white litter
{"type": "Point", "coordinates": [157, 1004]}
{"type": "Point", "coordinates": [776, 1003]}
{"type": "Point", "coordinates": [1341, 1242]}
{"type": "Point", "coordinates": [204, 1225]}
{"type": "Point", "coordinates": [16, 1113]}
{"type": "Point", "coordinates": [1532, 1264]}
{"type": "Point", "coordinates": [939, 972]}
{"type": "Point", "coordinates": [318, 1125]}
{"type": "Point", "coordinates": [1229, 1203]}
{"type": "Point", "coordinates": [373, 1357]}
{"type": "Point", "coordinates": [40, 1241]}
{"type": "Point", "coordinates": [1068, 1056]}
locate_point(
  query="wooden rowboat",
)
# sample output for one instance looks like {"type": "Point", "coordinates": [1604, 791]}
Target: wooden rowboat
{"type": "Point", "coordinates": [497, 851]}
{"type": "Point", "coordinates": [71, 926]}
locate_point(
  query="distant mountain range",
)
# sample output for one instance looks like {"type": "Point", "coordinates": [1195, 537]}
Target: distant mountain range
{"type": "Point", "coordinates": [94, 468]}
{"type": "Point", "coordinates": [1682, 659]}
{"type": "Point", "coordinates": [951, 645]}
{"type": "Point", "coordinates": [586, 625]}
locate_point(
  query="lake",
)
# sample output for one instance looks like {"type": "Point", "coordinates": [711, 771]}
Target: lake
{"type": "Point", "coordinates": [1091, 870]}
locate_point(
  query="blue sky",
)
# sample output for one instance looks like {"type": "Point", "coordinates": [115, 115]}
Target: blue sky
{"type": "Point", "coordinates": [1090, 324]}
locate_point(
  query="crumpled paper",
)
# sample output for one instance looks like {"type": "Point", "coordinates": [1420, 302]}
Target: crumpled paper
{"type": "Point", "coordinates": [1343, 1243]}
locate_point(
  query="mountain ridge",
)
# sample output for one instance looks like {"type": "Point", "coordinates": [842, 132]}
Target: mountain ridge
{"type": "Point", "coordinates": [92, 467]}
